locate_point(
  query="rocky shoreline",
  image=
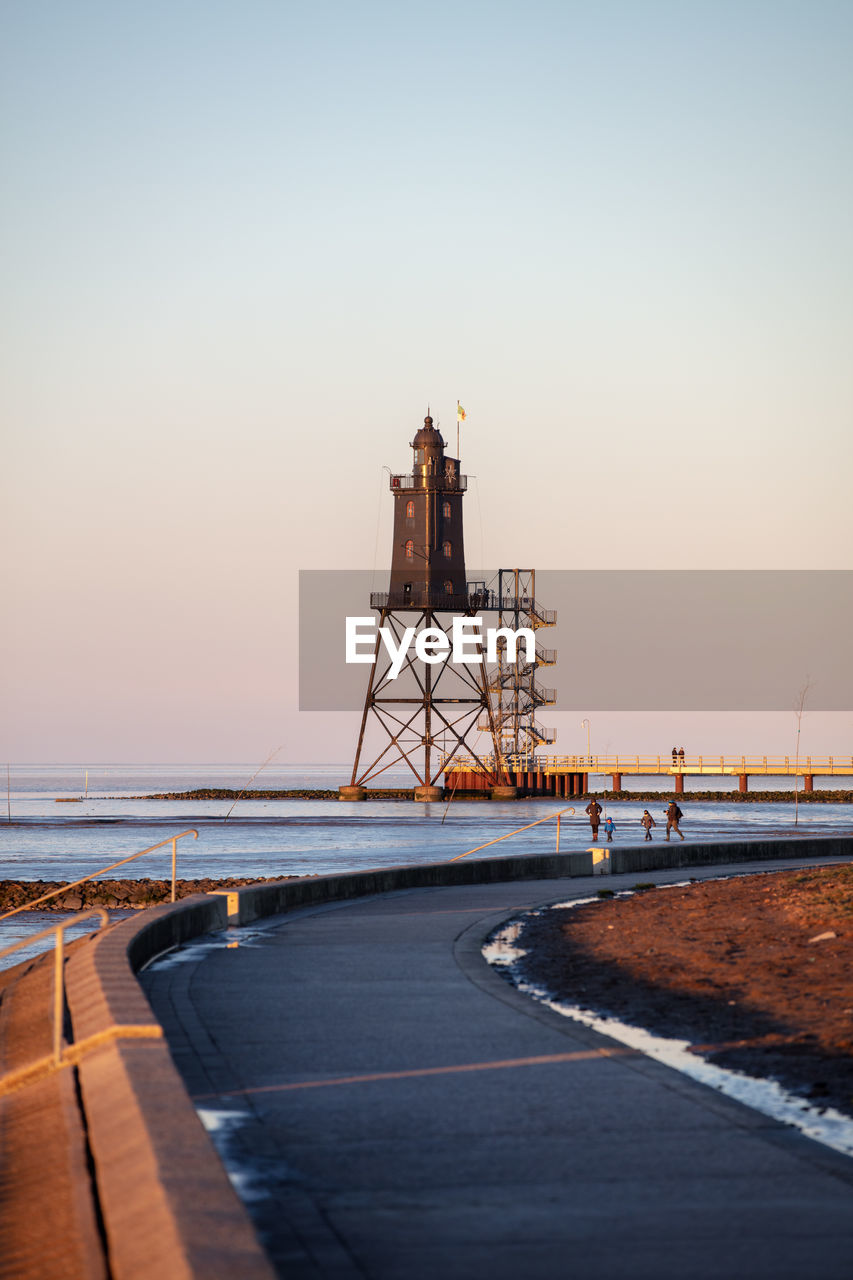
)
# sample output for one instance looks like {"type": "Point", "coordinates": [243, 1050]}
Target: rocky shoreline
{"type": "Point", "coordinates": [128, 894]}
{"type": "Point", "coordinates": [405, 793]}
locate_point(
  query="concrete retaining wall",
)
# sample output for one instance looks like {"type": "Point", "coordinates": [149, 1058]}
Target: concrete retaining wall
{"type": "Point", "coordinates": [254, 901]}
{"type": "Point", "coordinates": [166, 1204]}
{"type": "Point", "coordinates": [658, 856]}
{"type": "Point", "coordinates": [48, 1224]}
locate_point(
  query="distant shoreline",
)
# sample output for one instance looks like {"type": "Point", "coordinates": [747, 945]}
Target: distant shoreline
{"type": "Point", "coordinates": [405, 793]}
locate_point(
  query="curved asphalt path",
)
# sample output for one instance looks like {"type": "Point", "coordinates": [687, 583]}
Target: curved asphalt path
{"type": "Point", "coordinates": [399, 1110]}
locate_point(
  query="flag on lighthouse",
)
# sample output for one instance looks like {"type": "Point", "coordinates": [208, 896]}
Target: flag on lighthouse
{"type": "Point", "coordinates": [460, 412]}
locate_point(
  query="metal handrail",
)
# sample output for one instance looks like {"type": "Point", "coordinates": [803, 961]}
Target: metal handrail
{"type": "Point", "coordinates": [173, 840]}
{"type": "Point", "coordinates": [497, 840]}
{"type": "Point", "coordinates": [58, 966]}
{"type": "Point", "coordinates": [419, 599]}
{"type": "Point", "coordinates": [437, 480]}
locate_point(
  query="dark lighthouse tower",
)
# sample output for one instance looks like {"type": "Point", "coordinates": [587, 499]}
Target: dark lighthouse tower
{"type": "Point", "coordinates": [429, 711]}
{"type": "Point", "coordinates": [428, 556]}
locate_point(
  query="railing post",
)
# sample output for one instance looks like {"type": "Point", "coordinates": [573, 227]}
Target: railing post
{"type": "Point", "coordinates": [58, 994]}
{"type": "Point", "coordinates": [558, 833]}
{"type": "Point", "coordinates": [174, 863]}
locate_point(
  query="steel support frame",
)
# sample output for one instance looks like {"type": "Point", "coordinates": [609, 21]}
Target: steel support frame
{"type": "Point", "coordinates": [411, 729]}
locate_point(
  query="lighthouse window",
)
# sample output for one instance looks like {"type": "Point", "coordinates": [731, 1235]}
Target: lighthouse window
{"type": "Point", "coordinates": [445, 510]}
{"type": "Point", "coordinates": [448, 587]}
{"type": "Point", "coordinates": [419, 455]}
{"type": "Point", "coordinates": [410, 550]}
{"type": "Point", "coordinates": [410, 510]}
{"type": "Point", "coordinates": [448, 550]}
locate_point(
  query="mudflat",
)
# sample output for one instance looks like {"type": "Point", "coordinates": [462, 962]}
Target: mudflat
{"type": "Point", "coordinates": [756, 972]}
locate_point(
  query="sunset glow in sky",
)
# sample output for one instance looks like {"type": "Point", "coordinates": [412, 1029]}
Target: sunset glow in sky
{"type": "Point", "coordinates": [245, 245]}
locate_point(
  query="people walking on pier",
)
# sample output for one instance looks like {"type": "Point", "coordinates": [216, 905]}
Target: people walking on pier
{"type": "Point", "coordinates": [673, 817]}
{"type": "Point", "coordinates": [674, 756]}
{"type": "Point", "coordinates": [594, 811]}
{"type": "Point", "coordinates": [648, 822]}
{"type": "Point", "coordinates": [681, 756]}
{"type": "Point", "coordinates": [609, 824]}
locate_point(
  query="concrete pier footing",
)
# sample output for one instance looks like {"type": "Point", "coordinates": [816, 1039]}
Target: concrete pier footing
{"type": "Point", "coordinates": [426, 795]}
{"type": "Point", "coordinates": [352, 793]}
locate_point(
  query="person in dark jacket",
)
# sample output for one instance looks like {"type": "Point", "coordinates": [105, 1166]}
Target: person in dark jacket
{"type": "Point", "coordinates": [648, 822]}
{"type": "Point", "coordinates": [673, 817]}
{"type": "Point", "coordinates": [594, 811]}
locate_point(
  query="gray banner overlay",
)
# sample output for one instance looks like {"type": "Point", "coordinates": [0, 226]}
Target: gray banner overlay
{"type": "Point", "coordinates": [638, 640]}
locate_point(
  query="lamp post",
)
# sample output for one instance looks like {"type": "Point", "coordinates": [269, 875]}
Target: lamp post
{"type": "Point", "coordinates": [798, 712]}
{"type": "Point", "coordinates": [588, 756]}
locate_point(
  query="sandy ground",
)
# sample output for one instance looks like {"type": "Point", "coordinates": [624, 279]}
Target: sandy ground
{"type": "Point", "coordinates": [755, 972]}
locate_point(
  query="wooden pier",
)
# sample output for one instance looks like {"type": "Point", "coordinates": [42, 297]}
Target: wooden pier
{"type": "Point", "coordinates": [569, 775]}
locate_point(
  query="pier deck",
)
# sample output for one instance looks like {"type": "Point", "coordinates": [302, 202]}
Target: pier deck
{"type": "Point", "coordinates": [569, 775]}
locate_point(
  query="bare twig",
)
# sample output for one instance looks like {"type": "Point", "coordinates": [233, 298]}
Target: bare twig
{"type": "Point", "coordinates": [260, 768]}
{"type": "Point", "coordinates": [450, 801]}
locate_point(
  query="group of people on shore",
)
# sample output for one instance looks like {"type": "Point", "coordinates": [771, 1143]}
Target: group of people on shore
{"type": "Point", "coordinates": [673, 817]}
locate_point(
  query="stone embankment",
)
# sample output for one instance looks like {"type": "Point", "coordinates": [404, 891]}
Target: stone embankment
{"type": "Point", "coordinates": [405, 793]}
{"type": "Point", "coordinates": [112, 894]}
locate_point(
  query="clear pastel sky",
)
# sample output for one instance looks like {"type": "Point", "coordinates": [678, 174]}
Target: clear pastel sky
{"type": "Point", "coordinates": [245, 245]}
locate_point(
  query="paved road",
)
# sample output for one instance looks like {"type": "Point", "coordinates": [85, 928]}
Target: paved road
{"type": "Point", "coordinates": [398, 1110]}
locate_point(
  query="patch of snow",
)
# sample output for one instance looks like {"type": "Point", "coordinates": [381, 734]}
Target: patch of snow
{"type": "Point", "coordinates": [823, 1124]}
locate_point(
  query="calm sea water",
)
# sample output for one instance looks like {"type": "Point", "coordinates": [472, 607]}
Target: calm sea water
{"type": "Point", "coordinates": [46, 840]}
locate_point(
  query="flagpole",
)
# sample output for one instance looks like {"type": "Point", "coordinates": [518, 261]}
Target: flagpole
{"type": "Point", "coordinates": [458, 454]}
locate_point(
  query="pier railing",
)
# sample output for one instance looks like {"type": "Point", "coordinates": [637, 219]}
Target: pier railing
{"type": "Point", "coordinates": [713, 766]}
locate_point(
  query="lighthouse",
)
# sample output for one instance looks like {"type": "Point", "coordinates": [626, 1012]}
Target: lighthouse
{"type": "Point", "coordinates": [428, 550]}
{"type": "Point", "coordinates": [425, 714]}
